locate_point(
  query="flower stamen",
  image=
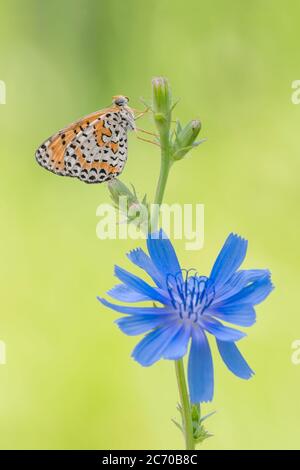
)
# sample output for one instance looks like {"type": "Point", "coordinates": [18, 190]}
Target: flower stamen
{"type": "Point", "coordinates": [190, 294]}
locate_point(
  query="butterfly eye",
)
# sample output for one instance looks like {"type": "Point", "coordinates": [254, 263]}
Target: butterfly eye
{"type": "Point", "coordinates": [121, 100]}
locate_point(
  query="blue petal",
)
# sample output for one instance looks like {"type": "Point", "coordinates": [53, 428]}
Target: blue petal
{"type": "Point", "coordinates": [238, 314]}
{"type": "Point", "coordinates": [143, 261]}
{"type": "Point", "coordinates": [134, 310]}
{"type": "Point", "coordinates": [254, 293]}
{"type": "Point", "coordinates": [178, 346]}
{"type": "Point", "coordinates": [126, 294]}
{"type": "Point", "coordinates": [229, 259]}
{"type": "Point", "coordinates": [152, 347]}
{"type": "Point", "coordinates": [234, 360]}
{"type": "Point", "coordinates": [163, 254]}
{"type": "Point", "coordinates": [200, 369]}
{"type": "Point", "coordinates": [222, 332]}
{"type": "Point", "coordinates": [138, 324]}
{"type": "Point", "coordinates": [140, 286]}
{"type": "Point", "coordinates": [237, 282]}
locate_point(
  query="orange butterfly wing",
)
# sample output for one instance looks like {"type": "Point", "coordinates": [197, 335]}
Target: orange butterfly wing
{"type": "Point", "coordinates": [99, 153]}
{"type": "Point", "coordinates": [94, 149]}
{"type": "Point", "coordinates": [50, 154]}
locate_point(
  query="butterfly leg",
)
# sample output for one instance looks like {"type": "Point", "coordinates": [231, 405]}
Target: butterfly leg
{"type": "Point", "coordinates": [145, 132]}
{"type": "Point", "coordinates": [140, 113]}
{"type": "Point", "coordinates": [149, 141]}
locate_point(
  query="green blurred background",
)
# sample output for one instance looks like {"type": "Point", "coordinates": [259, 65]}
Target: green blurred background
{"type": "Point", "coordinates": [69, 381]}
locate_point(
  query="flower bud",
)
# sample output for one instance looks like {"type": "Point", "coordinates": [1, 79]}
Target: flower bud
{"type": "Point", "coordinates": [185, 139]}
{"type": "Point", "coordinates": [119, 190]}
{"type": "Point", "coordinates": [162, 101]}
{"type": "Point", "coordinates": [139, 215]}
{"type": "Point", "coordinates": [127, 202]}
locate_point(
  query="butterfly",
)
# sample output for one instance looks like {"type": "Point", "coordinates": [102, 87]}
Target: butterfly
{"type": "Point", "coordinates": [93, 149]}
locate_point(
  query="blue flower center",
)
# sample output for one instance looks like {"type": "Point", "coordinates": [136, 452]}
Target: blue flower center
{"type": "Point", "coordinates": [190, 294]}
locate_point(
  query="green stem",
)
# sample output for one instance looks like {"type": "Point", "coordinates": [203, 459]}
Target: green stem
{"type": "Point", "coordinates": [185, 406]}
{"type": "Point", "coordinates": [163, 177]}
{"type": "Point", "coordinates": [165, 165]}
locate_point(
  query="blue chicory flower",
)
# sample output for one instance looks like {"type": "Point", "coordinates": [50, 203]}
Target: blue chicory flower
{"type": "Point", "coordinates": [192, 306]}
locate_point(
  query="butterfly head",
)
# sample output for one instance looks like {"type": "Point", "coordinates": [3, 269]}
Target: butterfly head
{"type": "Point", "coordinates": [120, 100]}
{"type": "Point", "coordinates": [127, 113]}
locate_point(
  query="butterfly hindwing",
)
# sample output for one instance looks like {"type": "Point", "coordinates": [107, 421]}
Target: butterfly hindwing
{"type": "Point", "coordinates": [99, 152]}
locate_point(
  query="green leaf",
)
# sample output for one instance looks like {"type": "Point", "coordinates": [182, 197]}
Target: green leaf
{"type": "Point", "coordinates": [177, 424]}
{"type": "Point", "coordinates": [207, 416]}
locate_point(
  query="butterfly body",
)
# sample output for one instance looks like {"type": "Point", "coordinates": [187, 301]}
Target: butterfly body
{"type": "Point", "coordinates": [94, 149]}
